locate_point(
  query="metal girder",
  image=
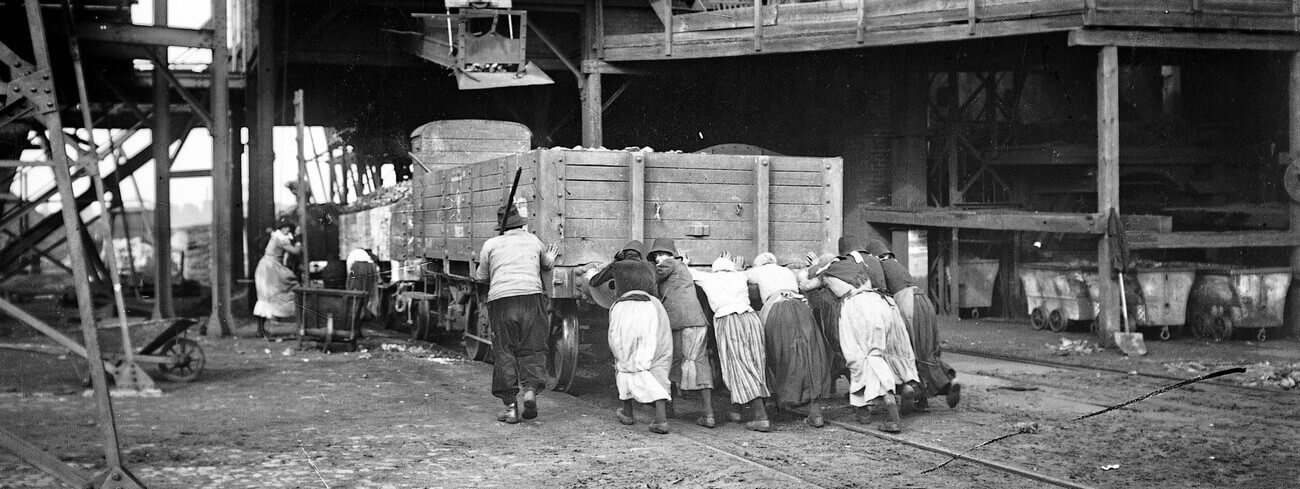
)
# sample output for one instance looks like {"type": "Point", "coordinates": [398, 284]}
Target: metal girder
{"type": "Point", "coordinates": [148, 35]}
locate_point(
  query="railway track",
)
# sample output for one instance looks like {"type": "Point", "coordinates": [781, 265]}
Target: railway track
{"type": "Point", "coordinates": [1257, 392]}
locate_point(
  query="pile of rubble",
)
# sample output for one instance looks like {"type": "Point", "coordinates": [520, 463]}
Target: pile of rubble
{"type": "Point", "coordinates": [1074, 347]}
{"type": "Point", "coordinates": [629, 149]}
{"type": "Point", "coordinates": [1263, 374]}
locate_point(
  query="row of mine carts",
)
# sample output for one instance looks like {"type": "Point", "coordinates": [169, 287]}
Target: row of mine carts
{"type": "Point", "coordinates": [1212, 301]}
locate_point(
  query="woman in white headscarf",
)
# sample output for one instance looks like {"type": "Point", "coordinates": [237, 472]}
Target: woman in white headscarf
{"type": "Point", "coordinates": [275, 281]}
{"type": "Point", "coordinates": [797, 365]}
{"type": "Point", "coordinates": [739, 333]}
{"type": "Point", "coordinates": [864, 325]}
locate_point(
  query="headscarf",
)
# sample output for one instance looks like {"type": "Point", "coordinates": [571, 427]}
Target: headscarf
{"type": "Point", "coordinates": [878, 248]}
{"type": "Point", "coordinates": [765, 258]}
{"type": "Point", "coordinates": [849, 242]}
{"type": "Point", "coordinates": [724, 265]}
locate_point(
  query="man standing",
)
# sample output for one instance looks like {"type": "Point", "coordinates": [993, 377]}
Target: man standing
{"type": "Point", "coordinates": [512, 265]}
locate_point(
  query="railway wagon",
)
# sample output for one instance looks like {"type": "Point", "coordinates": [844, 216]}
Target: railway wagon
{"type": "Point", "coordinates": [590, 203]}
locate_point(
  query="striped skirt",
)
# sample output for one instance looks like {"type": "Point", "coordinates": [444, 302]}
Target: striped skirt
{"type": "Point", "coordinates": [798, 368]}
{"type": "Point", "coordinates": [864, 328]}
{"type": "Point", "coordinates": [642, 344]}
{"type": "Point", "coordinates": [741, 355]}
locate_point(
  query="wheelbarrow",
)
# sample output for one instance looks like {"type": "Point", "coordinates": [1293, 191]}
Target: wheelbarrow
{"type": "Point", "coordinates": [179, 359]}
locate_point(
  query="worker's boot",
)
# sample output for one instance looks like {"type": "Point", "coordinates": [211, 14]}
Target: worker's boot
{"type": "Point", "coordinates": [509, 415]}
{"type": "Point", "coordinates": [893, 421]}
{"type": "Point", "coordinates": [954, 394]}
{"type": "Point", "coordinates": [530, 404]}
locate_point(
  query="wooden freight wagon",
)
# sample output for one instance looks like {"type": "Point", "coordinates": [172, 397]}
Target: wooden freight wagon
{"type": "Point", "coordinates": [592, 202]}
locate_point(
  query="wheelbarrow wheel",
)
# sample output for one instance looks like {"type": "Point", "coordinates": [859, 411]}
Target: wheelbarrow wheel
{"type": "Point", "coordinates": [1038, 319]}
{"type": "Point", "coordinates": [187, 360]}
{"type": "Point", "coordinates": [1056, 321]}
{"type": "Point", "coordinates": [563, 355]}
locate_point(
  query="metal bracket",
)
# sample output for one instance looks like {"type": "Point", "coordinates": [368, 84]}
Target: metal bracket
{"type": "Point", "coordinates": [117, 478]}
{"type": "Point", "coordinates": [37, 88]}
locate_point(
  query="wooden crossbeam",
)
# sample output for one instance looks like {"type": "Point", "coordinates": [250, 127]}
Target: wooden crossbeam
{"type": "Point", "coordinates": [1185, 40]}
{"type": "Point", "coordinates": [148, 35]}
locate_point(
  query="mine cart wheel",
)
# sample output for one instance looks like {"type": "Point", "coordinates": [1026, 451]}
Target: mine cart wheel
{"type": "Point", "coordinates": [1038, 319]}
{"type": "Point", "coordinates": [187, 360]}
{"type": "Point", "coordinates": [476, 323]}
{"type": "Point", "coordinates": [562, 358]}
{"type": "Point", "coordinates": [1056, 321]}
{"type": "Point", "coordinates": [1262, 335]}
{"type": "Point", "coordinates": [1212, 327]}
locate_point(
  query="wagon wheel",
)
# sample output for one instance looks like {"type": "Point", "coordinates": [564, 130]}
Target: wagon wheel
{"type": "Point", "coordinates": [476, 324]}
{"type": "Point", "coordinates": [1038, 319]}
{"type": "Point", "coordinates": [562, 356]}
{"type": "Point", "coordinates": [1056, 321]}
{"type": "Point", "coordinates": [187, 360]}
{"type": "Point", "coordinates": [1212, 327]}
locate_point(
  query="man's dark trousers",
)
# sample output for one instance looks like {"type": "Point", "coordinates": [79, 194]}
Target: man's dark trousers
{"type": "Point", "coordinates": [519, 332]}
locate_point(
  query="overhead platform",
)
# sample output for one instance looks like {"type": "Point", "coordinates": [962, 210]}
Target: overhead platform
{"type": "Point", "coordinates": [846, 24]}
{"type": "Point", "coordinates": [1007, 219]}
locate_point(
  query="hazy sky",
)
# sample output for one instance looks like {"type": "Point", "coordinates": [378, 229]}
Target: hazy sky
{"type": "Point", "coordinates": [197, 152]}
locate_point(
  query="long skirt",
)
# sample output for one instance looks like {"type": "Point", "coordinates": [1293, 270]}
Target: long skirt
{"type": "Point", "coordinates": [826, 308]}
{"type": "Point", "coordinates": [274, 284]}
{"type": "Point", "coordinates": [898, 346]}
{"type": "Point", "coordinates": [741, 355]}
{"type": "Point", "coordinates": [923, 327]}
{"type": "Point", "coordinates": [798, 370]}
{"type": "Point", "coordinates": [642, 344]}
{"type": "Point", "coordinates": [692, 369]}
{"type": "Point", "coordinates": [864, 329]}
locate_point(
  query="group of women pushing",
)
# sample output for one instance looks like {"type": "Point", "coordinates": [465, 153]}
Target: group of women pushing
{"type": "Point", "coordinates": [857, 314]}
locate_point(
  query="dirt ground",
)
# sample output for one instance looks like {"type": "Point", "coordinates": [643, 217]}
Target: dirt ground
{"type": "Point", "coordinates": [266, 414]}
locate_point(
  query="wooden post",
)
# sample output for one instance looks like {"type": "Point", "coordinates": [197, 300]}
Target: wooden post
{"type": "Point", "coordinates": [261, 134]}
{"type": "Point", "coordinates": [73, 230]}
{"type": "Point", "coordinates": [162, 207]}
{"type": "Point", "coordinates": [236, 195]}
{"type": "Point", "coordinates": [1108, 298]}
{"type": "Point", "coordinates": [952, 274]}
{"type": "Point", "coordinates": [592, 128]}
{"type": "Point", "coordinates": [222, 174]}
{"type": "Point", "coordinates": [1292, 324]}
{"type": "Point", "coordinates": [762, 203]}
{"type": "Point", "coordinates": [298, 121]}
{"type": "Point", "coordinates": [636, 179]}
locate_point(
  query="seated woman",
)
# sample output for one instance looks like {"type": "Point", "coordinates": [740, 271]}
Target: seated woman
{"type": "Point", "coordinates": [639, 335]}
{"type": "Point", "coordinates": [275, 281]}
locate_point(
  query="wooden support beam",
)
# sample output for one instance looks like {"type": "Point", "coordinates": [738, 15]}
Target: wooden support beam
{"type": "Point", "coordinates": [1185, 40]}
{"type": "Point", "coordinates": [1148, 240]}
{"type": "Point", "coordinates": [162, 209]}
{"type": "Point", "coordinates": [1052, 222]}
{"type": "Point", "coordinates": [762, 203]}
{"type": "Point", "coordinates": [592, 114]}
{"type": "Point", "coordinates": [636, 179]}
{"type": "Point", "coordinates": [532, 26]}
{"type": "Point", "coordinates": [43, 460]}
{"type": "Point", "coordinates": [148, 35]}
{"type": "Point", "coordinates": [298, 121]}
{"type": "Point", "coordinates": [1108, 298]}
{"type": "Point", "coordinates": [191, 174]}
{"type": "Point", "coordinates": [72, 223]}
{"type": "Point", "coordinates": [222, 175]}
{"type": "Point", "coordinates": [1292, 316]}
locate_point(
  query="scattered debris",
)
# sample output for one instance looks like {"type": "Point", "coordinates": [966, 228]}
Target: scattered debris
{"type": "Point", "coordinates": [1017, 388]}
{"type": "Point", "coordinates": [1075, 347]}
{"type": "Point", "coordinates": [1110, 467]}
{"type": "Point", "coordinates": [288, 352]}
{"type": "Point", "coordinates": [1030, 427]}
{"type": "Point", "coordinates": [1264, 374]}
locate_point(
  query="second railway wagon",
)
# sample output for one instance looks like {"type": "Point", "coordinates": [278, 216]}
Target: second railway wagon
{"type": "Point", "coordinates": [591, 203]}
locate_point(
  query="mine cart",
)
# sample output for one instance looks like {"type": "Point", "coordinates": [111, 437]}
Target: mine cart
{"type": "Point", "coordinates": [1226, 298]}
{"type": "Point", "coordinates": [1056, 293]}
{"type": "Point", "coordinates": [591, 203]}
{"type": "Point", "coordinates": [1162, 301]}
